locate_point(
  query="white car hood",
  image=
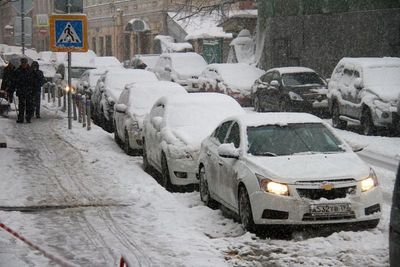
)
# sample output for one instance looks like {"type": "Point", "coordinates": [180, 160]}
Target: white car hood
{"type": "Point", "coordinates": [387, 92]}
{"type": "Point", "coordinates": [316, 167]}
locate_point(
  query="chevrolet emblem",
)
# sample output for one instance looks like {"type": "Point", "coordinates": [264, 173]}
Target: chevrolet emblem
{"type": "Point", "coordinates": [327, 186]}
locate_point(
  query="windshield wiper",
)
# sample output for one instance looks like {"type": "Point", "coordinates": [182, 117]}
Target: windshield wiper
{"type": "Point", "coordinates": [266, 153]}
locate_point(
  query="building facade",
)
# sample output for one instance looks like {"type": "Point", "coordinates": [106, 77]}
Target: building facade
{"type": "Point", "coordinates": [317, 34]}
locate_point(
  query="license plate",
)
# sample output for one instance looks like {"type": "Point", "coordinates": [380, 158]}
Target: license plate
{"type": "Point", "coordinates": [330, 208]}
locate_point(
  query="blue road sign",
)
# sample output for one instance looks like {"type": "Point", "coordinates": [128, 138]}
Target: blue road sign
{"type": "Point", "coordinates": [68, 33]}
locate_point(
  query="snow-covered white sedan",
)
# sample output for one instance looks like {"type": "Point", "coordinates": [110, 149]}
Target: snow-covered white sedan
{"type": "Point", "coordinates": [287, 169]}
{"type": "Point", "coordinates": [109, 88]}
{"type": "Point", "coordinates": [234, 79]}
{"type": "Point", "coordinates": [134, 103]}
{"type": "Point", "coordinates": [174, 130]}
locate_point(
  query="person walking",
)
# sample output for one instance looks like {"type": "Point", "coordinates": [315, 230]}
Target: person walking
{"type": "Point", "coordinates": [38, 81]}
{"type": "Point", "coordinates": [24, 90]}
{"type": "Point", "coordinates": [8, 83]}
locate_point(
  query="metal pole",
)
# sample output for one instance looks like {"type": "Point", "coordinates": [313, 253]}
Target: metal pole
{"type": "Point", "coordinates": [23, 27]}
{"type": "Point", "coordinates": [138, 42]}
{"type": "Point", "coordinates": [69, 80]}
{"type": "Point", "coordinates": [89, 115]}
{"type": "Point", "coordinates": [83, 106]}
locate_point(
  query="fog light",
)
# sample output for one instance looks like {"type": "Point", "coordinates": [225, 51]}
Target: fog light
{"type": "Point", "coordinates": [181, 174]}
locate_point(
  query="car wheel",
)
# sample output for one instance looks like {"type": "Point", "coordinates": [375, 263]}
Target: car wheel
{"type": "Point", "coordinates": [367, 123]}
{"type": "Point", "coordinates": [245, 212]}
{"type": "Point", "coordinates": [127, 147]}
{"type": "Point", "coordinates": [283, 105]}
{"type": "Point", "coordinates": [165, 178]}
{"type": "Point", "coordinates": [146, 165]}
{"type": "Point", "coordinates": [257, 104]}
{"type": "Point", "coordinates": [336, 121]}
{"type": "Point", "coordinates": [204, 191]}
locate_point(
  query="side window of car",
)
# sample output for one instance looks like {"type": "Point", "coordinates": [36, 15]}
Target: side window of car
{"type": "Point", "coordinates": [234, 135]}
{"type": "Point", "coordinates": [222, 131]}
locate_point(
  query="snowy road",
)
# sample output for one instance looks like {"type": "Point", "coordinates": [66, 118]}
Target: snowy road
{"type": "Point", "coordinates": [97, 204]}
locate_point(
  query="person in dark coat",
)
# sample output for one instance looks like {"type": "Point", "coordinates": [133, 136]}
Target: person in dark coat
{"type": "Point", "coordinates": [8, 83]}
{"type": "Point", "coordinates": [38, 81]}
{"type": "Point", "coordinates": [24, 90]}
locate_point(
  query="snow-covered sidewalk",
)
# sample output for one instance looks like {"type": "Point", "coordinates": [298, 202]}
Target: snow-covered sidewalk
{"type": "Point", "coordinates": [99, 204]}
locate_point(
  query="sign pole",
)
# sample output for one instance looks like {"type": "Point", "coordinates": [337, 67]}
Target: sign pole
{"type": "Point", "coordinates": [69, 81]}
{"type": "Point", "coordinates": [23, 27]}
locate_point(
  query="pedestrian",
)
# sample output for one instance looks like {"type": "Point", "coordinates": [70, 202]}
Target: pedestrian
{"type": "Point", "coordinates": [38, 81]}
{"type": "Point", "coordinates": [24, 90]}
{"type": "Point", "coordinates": [8, 83]}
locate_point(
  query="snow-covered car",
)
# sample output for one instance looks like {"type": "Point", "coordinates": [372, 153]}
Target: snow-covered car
{"type": "Point", "coordinates": [88, 81]}
{"type": "Point", "coordinates": [365, 91]}
{"type": "Point", "coordinates": [394, 233]}
{"type": "Point", "coordinates": [287, 169]}
{"type": "Point", "coordinates": [290, 89]}
{"type": "Point", "coordinates": [180, 68]}
{"type": "Point", "coordinates": [234, 79]}
{"type": "Point", "coordinates": [134, 103]}
{"type": "Point", "coordinates": [108, 89]}
{"type": "Point", "coordinates": [106, 62]}
{"type": "Point", "coordinates": [174, 130]}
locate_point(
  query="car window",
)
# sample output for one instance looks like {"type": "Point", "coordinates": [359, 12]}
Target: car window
{"type": "Point", "coordinates": [267, 78]}
{"type": "Point", "coordinates": [234, 135]}
{"type": "Point", "coordinates": [338, 72]}
{"type": "Point", "coordinates": [221, 132]}
{"type": "Point", "coordinates": [276, 77]}
{"type": "Point", "coordinates": [347, 76]}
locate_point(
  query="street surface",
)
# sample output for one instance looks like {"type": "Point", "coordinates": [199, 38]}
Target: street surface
{"type": "Point", "coordinates": [79, 197]}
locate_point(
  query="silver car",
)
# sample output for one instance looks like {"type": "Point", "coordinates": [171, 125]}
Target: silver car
{"type": "Point", "coordinates": [287, 169]}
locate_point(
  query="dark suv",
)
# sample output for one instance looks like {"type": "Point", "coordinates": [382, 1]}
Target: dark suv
{"type": "Point", "coordinates": [290, 89]}
{"type": "Point", "coordinates": [394, 232]}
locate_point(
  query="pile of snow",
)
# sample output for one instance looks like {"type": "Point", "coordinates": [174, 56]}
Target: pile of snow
{"type": "Point", "coordinates": [48, 69]}
{"type": "Point", "coordinates": [142, 95]}
{"type": "Point", "coordinates": [106, 62]}
{"type": "Point", "coordinates": [168, 44]}
{"type": "Point", "coordinates": [45, 56]}
{"type": "Point", "coordinates": [116, 79]}
{"type": "Point", "coordinates": [200, 26]}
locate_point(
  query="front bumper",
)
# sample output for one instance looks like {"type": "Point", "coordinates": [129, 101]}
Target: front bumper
{"type": "Point", "coordinates": [295, 210]}
{"type": "Point", "coordinates": [388, 119]}
{"type": "Point", "coordinates": [183, 171]}
{"type": "Point", "coordinates": [309, 106]}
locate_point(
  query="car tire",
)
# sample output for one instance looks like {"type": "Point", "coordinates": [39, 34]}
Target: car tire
{"type": "Point", "coordinates": [165, 178]}
{"type": "Point", "coordinates": [204, 190]}
{"type": "Point", "coordinates": [257, 104]}
{"type": "Point", "coordinates": [367, 123]}
{"type": "Point", "coordinates": [336, 121]}
{"type": "Point", "coordinates": [127, 147]}
{"type": "Point", "coordinates": [146, 164]}
{"type": "Point", "coordinates": [245, 212]}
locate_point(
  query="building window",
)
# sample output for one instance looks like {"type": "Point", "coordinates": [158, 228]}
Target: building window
{"type": "Point", "coordinates": [101, 46]}
{"type": "Point", "coordinates": [108, 45]}
{"type": "Point", "coordinates": [94, 45]}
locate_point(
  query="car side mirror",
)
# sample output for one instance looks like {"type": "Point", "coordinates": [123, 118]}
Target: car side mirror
{"type": "Point", "coordinates": [358, 83]}
{"type": "Point", "coordinates": [228, 151]}
{"type": "Point", "coordinates": [274, 83]}
{"type": "Point", "coordinates": [357, 148]}
{"type": "Point", "coordinates": [121, 108]}
{"type": "Point", "coordinates": [157, 121]}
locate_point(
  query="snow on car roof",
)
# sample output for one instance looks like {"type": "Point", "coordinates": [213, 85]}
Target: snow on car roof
{"type": "Point", "coordinates": [106, 62]}
{"type": "Point", "coordinates": [143, 94]}
{"type": "Point", "coordinates": [291, 70]}
{"type": "Point", "coordinates": [275, 118]}
{"type": "Point", "coordinates": [237, 75]}
{"type": "Point", "coordinates": [188, 63]}
{"type": "Point", "coordinates": [372, 61]}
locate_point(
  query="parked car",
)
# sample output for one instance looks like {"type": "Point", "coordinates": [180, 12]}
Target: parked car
{"type": "Point", "coordinates": [180, 68]}
{"type": "Point", "coordinates": [106, 62]}
{"type": "Point", "coordinates": [290, 89]}
{"type": "Point", "coordinates": [365, 91]}
{"type": "Point", "coordinates": [394, 227]}
{"type": "Point", "coordinates": [134, 104]}
{"type": "Point", "coordinates": [235, 80]}
{"type": "Point", "coordinates": [174, 129]}
{"type": "Point", "coordinates": [88, 81]}
{"type": "Point", "coordinates": [107, 91]}
{"type": "Point", "coordinates": [286, 169]}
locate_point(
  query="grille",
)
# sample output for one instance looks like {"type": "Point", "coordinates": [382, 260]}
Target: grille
{"type": "Point", "coordinates": [316, 194]}
{"type": "Point", "coordinates": [323, 217]}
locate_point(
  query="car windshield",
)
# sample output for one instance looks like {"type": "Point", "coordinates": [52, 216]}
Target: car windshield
{"type": "Point", "coordinates": [382, 75]}
{"type": "Point", "coordinates": [297, 138]}
{"type": "Point", "coordinates": [301, 79]}
{"type": "Point", "coordinates": [77, 72]}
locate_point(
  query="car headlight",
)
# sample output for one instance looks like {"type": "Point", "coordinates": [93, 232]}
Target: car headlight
{"type": "Point", "coordinates": [294, 96]}
{"type": "Point", "coordinates": [272, 187]}
{"type": "Point", "coordinates": [370, 182]}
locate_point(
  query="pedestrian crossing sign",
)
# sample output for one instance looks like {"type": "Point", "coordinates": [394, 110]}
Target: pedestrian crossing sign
{"type": "Point", "coordinates": [68, 33]}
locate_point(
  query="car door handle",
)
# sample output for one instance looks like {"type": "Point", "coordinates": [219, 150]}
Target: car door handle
{"type": "Point", "coordinates": [220, 163]}
{"type": "Point", "coordinates": [208, 153]}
